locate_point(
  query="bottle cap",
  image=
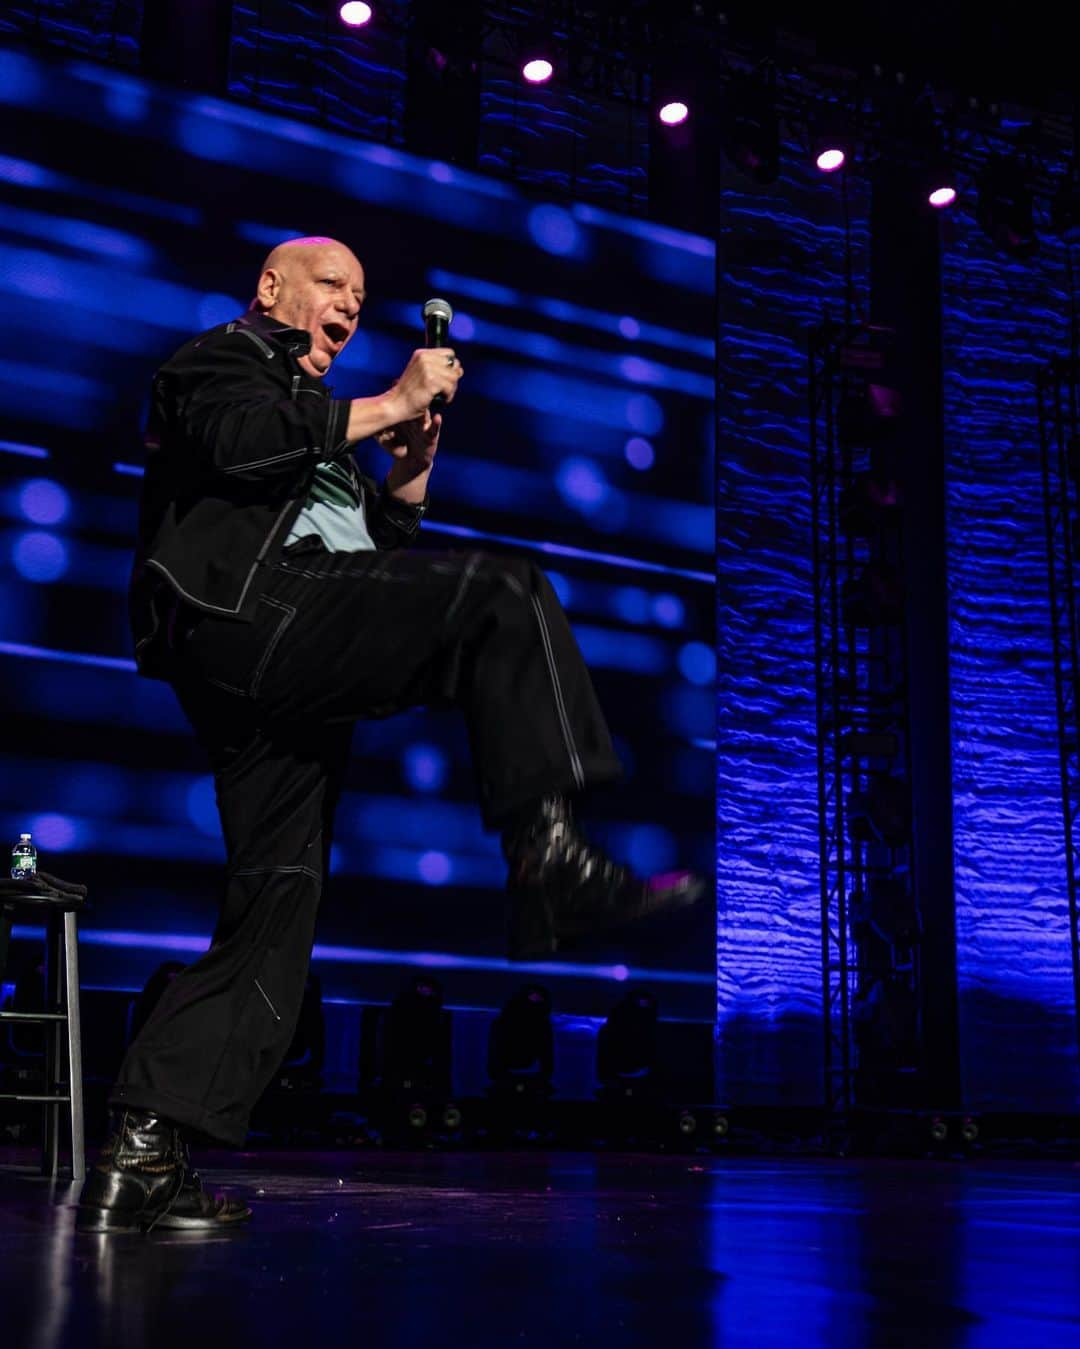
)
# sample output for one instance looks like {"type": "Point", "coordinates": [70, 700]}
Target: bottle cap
{"type": "Point", "coordinates": [24, 838]}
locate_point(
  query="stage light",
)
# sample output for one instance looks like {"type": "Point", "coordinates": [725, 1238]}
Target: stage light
{"type": "Point", "coordinates": [672, 114]}
{"type": "Point", "coordinates": [355, 13]}
{"type": "Point", "coordinates": [417, 1117]}
{"type": "Point", "coordinates": [38, 556]}
{"type": "Point", "coordinates": [626, 1042]}
{"type": "Point", "coordinates": [416, 1040]}
{"type": "Point", "coordinates": [750, 128]}
{"type": "Point", "coordinates": [969, 1129]}
{"type": "Point", "coordinates": [697, 663]}
{"type": "Point", "coordinates": [1004, 207]}
{"type": "Point", "coordinates": [687, 1123]}
{"type": "Point", "coordinates": [538, 70]}
{"type": "Point", "coordinates": [940, 197]}
{"type": "Point", "coordinates": [639, 453]}
{"type": "Point", "coordinates": [451, 1118]}
{"type": "Point", "coordinates": [44, 502]}
{"type": "Point", "coordinates": [832, 146]}
{"type": "Point", "coordinates": [721, 1126]}
{"type": "Point", "coordinates": [939, 1130]}
{"type": "Point", "coordinates": [521, 1045]}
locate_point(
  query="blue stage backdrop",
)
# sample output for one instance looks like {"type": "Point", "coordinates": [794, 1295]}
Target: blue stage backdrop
{"type": "Point", "coordinates": [131, 217]}
{"type": "Point", "coordinates": [782, 259]}
{"type": "Point", "coordinates": [1003, 320]}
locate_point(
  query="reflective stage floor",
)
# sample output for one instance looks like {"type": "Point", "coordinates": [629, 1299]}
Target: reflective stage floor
{"type": "Point", "coordinates": [553, 1249]}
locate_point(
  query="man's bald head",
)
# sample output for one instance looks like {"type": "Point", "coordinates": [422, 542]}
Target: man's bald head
{"type": "Point", "coordinates": [315, 284]}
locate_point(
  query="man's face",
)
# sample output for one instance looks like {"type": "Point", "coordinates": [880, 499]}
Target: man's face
{"type": "Point", "coordinates": [320, 289]}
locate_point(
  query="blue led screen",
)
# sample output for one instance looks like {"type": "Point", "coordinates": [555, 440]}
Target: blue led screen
{"type": "Point", "coordinates": [132, 217]}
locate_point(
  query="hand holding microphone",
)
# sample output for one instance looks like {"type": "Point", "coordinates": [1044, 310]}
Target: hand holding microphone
{"type": "Point", "coordinates": [427, 384]}
{"type": "Point", "coordinates": [430, 379]}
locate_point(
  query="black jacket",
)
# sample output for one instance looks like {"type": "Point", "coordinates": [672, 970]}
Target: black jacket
{"type": "Point", "coordinates": [235, 431]}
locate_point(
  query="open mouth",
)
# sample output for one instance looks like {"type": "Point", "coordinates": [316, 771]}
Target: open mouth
{"type": "Point", "coordinates": [337, 333]}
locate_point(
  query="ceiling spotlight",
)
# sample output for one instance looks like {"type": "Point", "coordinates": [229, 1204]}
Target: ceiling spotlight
{"type": "Point", "coordinates": [671, 114]}
{"type": "Point", "coordinates": [940, 197]}
{"type": "Point", "coordinates": [830, 139]}
{"type": "Point", "coordinates": [830, 159]}
{"type": "Point", "coordinates": [538, 70]}
{"type": "Point", "coordinates": [355, 13]}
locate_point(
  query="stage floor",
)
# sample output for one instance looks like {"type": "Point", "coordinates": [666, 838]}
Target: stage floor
{"type": "Point", "coordinates": [553, 1249]}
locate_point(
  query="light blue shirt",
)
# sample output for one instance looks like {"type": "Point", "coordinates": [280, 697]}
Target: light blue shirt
{"type": "Point", "coordinates": [334, 511]}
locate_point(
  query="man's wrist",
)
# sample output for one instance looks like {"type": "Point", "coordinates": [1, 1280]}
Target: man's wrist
{"type": "Point", "coordinates": [369, 416]}
{"type": "Point", "coordinates": [407, 481]}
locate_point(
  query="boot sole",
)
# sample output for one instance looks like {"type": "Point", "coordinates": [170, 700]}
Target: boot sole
{"type": "Point", "coordinates": [537, 935]}
{"type": "Point", "coordinates": [103, 1220]}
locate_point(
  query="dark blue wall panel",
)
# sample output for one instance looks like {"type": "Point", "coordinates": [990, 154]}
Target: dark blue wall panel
{"type": "Point", "coordinates": [782, 260]}
{"type": "Point", "coordinates": [1003, 320]}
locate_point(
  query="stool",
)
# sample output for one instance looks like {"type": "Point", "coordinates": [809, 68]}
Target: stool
{"type": "Point", "coordinates": [60, 911]}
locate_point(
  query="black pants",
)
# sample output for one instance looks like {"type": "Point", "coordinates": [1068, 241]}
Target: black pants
{"type": "Point", "coordinates": [339, 637]}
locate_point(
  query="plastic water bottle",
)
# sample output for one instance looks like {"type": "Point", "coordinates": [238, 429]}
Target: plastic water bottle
{"type": "Point", "coordinates": [23, 859]}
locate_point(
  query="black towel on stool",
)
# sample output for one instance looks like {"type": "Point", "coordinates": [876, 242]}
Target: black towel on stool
{"type": "Point", "coordinates": [41, 889]}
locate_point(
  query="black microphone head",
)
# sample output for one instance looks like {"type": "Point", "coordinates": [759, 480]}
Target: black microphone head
{"type": "Point", "coordinates": [437, 309]}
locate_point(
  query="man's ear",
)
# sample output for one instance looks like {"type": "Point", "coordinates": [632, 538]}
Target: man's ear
{"type": "Point", "coordinates": [269, 287]}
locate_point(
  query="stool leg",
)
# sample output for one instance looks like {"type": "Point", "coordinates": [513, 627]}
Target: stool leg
{"type": "Point", "coordinates": [50, 1151]}
{"type": "Point", "coordinates": [74, 1034]}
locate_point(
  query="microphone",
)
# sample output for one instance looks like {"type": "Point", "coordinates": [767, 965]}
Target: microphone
{"type": "Point", "coordinates": [437, 315]}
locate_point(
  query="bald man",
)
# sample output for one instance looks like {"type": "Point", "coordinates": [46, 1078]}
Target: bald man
{"type": "Point", "coordinates": [274, 589]}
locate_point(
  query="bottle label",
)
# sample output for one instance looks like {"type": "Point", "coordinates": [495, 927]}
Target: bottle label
{"type": "Point", "coordinates": [24, 863]}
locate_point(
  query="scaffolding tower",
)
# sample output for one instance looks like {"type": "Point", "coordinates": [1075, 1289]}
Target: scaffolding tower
{"type": "Point", "coordinates": [1059, 442]}
{"type": "Point", "coordinates": [870, 929]}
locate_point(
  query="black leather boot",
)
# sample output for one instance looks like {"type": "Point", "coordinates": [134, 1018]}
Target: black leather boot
{"type": "Point", "coordinates": [195, 1209]}
{"type": "Point", "coordinates": [141, 1181]}
{"type": "Point", "coordinates": [561, 887]}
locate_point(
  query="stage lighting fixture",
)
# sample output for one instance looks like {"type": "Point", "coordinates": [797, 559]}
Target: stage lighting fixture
{"type": "Point", "coordinates": [830, 143]}
{"type": "Point", "coordinates": [673, 113]}
{"type": "Point", "coordinates": [451, 1118]}
{"type": "Point", "coordinates": [1004, 206]}
{"type": "Point", "coordinates": [537, 69]}
{"type": "Point", "coordinates": [416, 1040]}
{"type": "Point", "coordinates": [969, 1129]}
{"type": "Point", "coordinates": [721, 1126]}
{"type": "Point", "coordinates": [942, 196]}
{"type": "Point", "coordinates": [749, 128]}
{"type": "Point", "coordinates": [355, 13]}
{"type": "Point", "coordinates": [626, 1042]}
{"type": "Point", "coordinates": [687, 1123]}
{"type": "Point", "coordinates": [521, 1046]}
{"type": "Point", "coordinates": [939, 1129]}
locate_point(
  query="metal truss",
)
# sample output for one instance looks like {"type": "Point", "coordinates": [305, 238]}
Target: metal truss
{"type": "Point", "coordinates": [870, 931]}
{"type": "Point", "coordinates": [1059, 441]}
